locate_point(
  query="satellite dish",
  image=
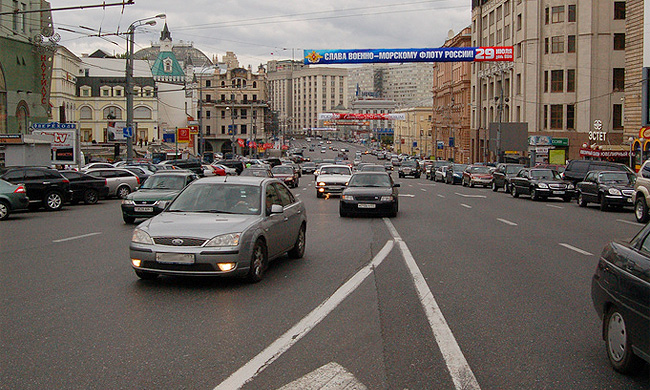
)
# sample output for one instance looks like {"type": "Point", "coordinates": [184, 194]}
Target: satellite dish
{"type": "Point", "coordinates": [450, 34]}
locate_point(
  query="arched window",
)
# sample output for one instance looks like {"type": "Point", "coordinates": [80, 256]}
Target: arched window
{"type": "Point", "coordinates": [254, 84]}
{"type": "Point", "coordinates": [85, 113]}
{"type": "Point", "coordinates": [112, 113]}
{"type": "Point", "coordinates": [223, 83]}
{"type": "Point", "coordinates": [243, 84]}
{"type": "Point", "coordinates": [142, 113]}
{"type": "Point", "coordinates": [22, 117]}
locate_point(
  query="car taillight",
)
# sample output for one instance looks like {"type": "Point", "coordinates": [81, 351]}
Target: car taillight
{"type": "Point", "coordinates": [106, 182]}
{"type": "Point", "coordinates": [138, 179]}
{"type": "Point", "coordinates": [20, 190]}
{"type": "Point", "coordinates": [66, 181]}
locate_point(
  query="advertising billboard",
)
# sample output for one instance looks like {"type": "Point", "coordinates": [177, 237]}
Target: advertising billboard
{"type": "Point", "coordinates": [441, 54]}
{"type": "Point", "coordinates": [64, 145]}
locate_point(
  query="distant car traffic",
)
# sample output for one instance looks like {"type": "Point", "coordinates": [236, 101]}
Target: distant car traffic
{"type": "Point", "coordinates": [332, 179]}
{"type": "Point", "coordinates": [370, 193]}
{"type": "Point", "coordinates": [286, 174]}
{"type": "Point", "coordinates": [409, 168]}
{"type": "Point", "coordinates": [454, 173]}
{"type": "Point", "coordinates": [221, 226]}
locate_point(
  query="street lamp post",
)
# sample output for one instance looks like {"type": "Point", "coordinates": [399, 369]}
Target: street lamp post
{"type": "Point", "coordinates": [129, 77]}
{"type": "Point", "coordinates": [232, 129]}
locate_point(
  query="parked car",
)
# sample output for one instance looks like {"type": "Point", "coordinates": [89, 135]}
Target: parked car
{"type": "Point", "coordinates": [286, 174]}
{"type": "Point", "coordinates": [12, 197]}
{"type": "Point", "coordinates": [576, 170]}
{"type": "Point", "coordinates": [607, 188]}
{"type": "Point", "coordinates": [409, 168]}
{"type": "Point", "coordinates": [154, 195]}
{"type": "Point", "coordinates": [256, 171]}
{"type": "Point", "coordinates": [434, 166]}
{"type": "Point", "coordinates": [620, 289]}
{"type": "Point", "coordinates": [454, 173]}
{"type": "Point", "coordinates": [96, 165]}
{"type": "Point", "coordinates": [120, 182]}
{"type": "Point", "coordinates": [85, 188]}
{"type": "Point", "coordinates": [477, 175]}
{"type": "Point", "coordinates": [370, 193]}
{"type": "Point", "coordinates": [192, 164]}
{"type": "Point", "coordinates": [142, 172]}
{"type": "Point", "coordinates": [221, 226]}
{"type": "Point", "coordinates": [236, 164]}
{"type": "Point", "coordinates": [642, 193]}
{"type": "Point", "coordinates": [502, 175]}
{"type": "Point", "coordinates": [45, 187]}
{"type": "Point", "coordinates": [332, 180]}
{"type": "Point", "coordinates": [541, 183]}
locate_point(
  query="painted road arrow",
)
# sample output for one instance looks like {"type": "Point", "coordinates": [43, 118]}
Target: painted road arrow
{"type": "Point", "coordinates": [331, 376]}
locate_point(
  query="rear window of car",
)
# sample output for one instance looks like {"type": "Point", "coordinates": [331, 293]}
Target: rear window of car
{"type": "Point", "coordinates": [579, 166]}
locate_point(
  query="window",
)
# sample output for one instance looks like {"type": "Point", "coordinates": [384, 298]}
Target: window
{"type": "Point", "coordinates": [619, 10]}
{"type": "Point", "coordinates": [499, 13]}
{"type": "Point", "coordinates": [506, 32]}
{"type": "Point", "coordinates": [518, 22]}
{"type": "Point", "coordinates": [518, 50]}
{"type": "Point", "coordinates": [208, 83]}
{"type": "Point", "coordinates": [244, 113]}
{"type": "Point", "coordinates": [223, 129]}
{"type": "Point", "coordinates": [85, 113]}
{"type": "Point", "coordinates": [112, 113]}
{"type": "Point", "coordinates": [506, 8]}
{"type": "Point", "coordinates": [207, 114]}
{"type": "Point", "coordinates": [571, 14]}
{"type": "Point", "coordinates": [547, 15]}
{"type": "Point", "coordinates": [557, 81]}
{"type": "Point", "coordinates": [557, 14]}
{"type": "Point", "coordinates": [619, 41]}
{"type": "Point", "coordinates": [142, 113]}
{"type": "Point", "coordinates": [106, 92]}
{"type": "Point", "coordinates": [619, 79]}
{"type": "Point", "coordinates": [223, 114]}
{"type": "Point", "coordinates": [571, 44]}
{"type": "Point", "coordinates": [223, 98]}
{"type": "Point", "coordinates": [570, 116]}
{"type": "Point", "coordinates": [208, 98]}
{"type": "Point", "coordinates": [499, 36]}
{"type": "Point", "coordinates": [617, 117]}
{"type": "Point", "coordinates": [545, 125]}
{"type": "Point", "coordinates": [244, 129]}
{"type": "Point", "coordinates": [571, 80]}
{"type": "Point", "coordinates": [85, 92]}
{"type": "Point", "coordinates": [557, 114]}
{"type": "Point", "coordinates": [546, 81]}
{"type": "Point", "coordinates": [545, 45]}
{"type": "Point", "coordinates": [557, 44]}
{"type": "Point", "coordinates": [518, 83]}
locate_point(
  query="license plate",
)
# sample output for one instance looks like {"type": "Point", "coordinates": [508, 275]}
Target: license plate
{"type": "Point", "coordinates": [175, 258]}
{"type": "Point", "coordinates": [143, 209]}
{"type": "Point", "coordinates": [367, 205]}
{"type": "Point", "coordinates": [558, 192]}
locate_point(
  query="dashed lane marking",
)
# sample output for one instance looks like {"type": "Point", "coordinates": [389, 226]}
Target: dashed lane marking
{"type": "Point", "coordinates": [630, 222]}
{"type": "Point", "coordinates": [77, 237]}
{"type": "Point", "coordinates": [470, 196]}
{"type": "Point", "coordinates": [466, 206]}
{"type": "Point", "coordinates": [506, 222]}
{"type": "Point", "coordinates": [573, 248]}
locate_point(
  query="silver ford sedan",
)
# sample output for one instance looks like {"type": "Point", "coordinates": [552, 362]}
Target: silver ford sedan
{"type": "Point", "coordinates": [221, 226]}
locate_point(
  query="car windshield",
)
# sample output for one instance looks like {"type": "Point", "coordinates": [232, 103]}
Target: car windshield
{"type": "Point", "coordinates": [409, 163]}
{"type": "Point", "coordinates": [458, 168]}
{"type": "Point", "coordinates": [616, 177]}
{"type": "Point", "coordinates": [369, 180]}
{"type": "Point", "coordinates": [218, 198]}
{"type": "Point", "coordinates": [164, 182]}
{"type": "Point", "coordinates": [255, 172]}
{"type": "Point", "coordinates": [544, 174]}
{"type": "Point", "coordinates": [373, 168]}
{"type": "Point", "coordinates": [335, 171]}
{"type": "Point", "coordinates": [479, 170]}
{"type": "Point", "coordinates": [283, 170]}
{"type": "Point", "coordinates": [513, 169]}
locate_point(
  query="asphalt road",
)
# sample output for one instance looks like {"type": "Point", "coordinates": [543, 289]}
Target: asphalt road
{"type": "Point", "coordinates": [511, 278]}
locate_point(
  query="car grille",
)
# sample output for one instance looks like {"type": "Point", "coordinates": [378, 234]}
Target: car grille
{"type": "Point", "coordinates": [554, 186]}
{"type": "Point", "coordinates": [628, 192]}
{"type": "Point", "coordinates": [186, 241]}
{"type": "Point", "coordinates": [144, 202]}
{"type": "Point", "coordinates": [366, 197]}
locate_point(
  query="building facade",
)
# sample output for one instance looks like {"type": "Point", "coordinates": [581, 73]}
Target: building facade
{"type": "Point", "coordinates": [637, 71]}
{"type": "Point", "coordinates": [381, 131]}
{"type": "Point", "coordinates": [63, 96]}
{"type": "Point", "coordinates": [450, 132]}
{"type": "Point", "coordinates": [412, 134]}
{"type": "Point", "coordinates": [567, 80]}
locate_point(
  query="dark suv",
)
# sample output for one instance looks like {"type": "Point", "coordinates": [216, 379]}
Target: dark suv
{"type": "Point", "coordinates": [191, 164]}
{"type": "Point", "coordinates": [576, 170]}
{"type": "Point", "coordinates": [45, 187]}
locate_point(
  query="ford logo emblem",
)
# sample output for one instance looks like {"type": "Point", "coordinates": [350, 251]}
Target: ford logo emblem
{"type": "Point", "coordinates": [177, 241]}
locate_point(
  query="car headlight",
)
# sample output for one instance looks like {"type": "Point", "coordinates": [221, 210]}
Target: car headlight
{"type": "Point", "coordinates": [141, 237]}
{"type": "Point", "coordinates": [161, 203]}
{"type": "Point", "coordinates": [230, 239]}
{"type": "Point", "coordinates": [322, 183]}
{"type": "Point", "coordinates": [570, 186]}
{"type": "Point", "coordinates": [386, 198]}
{"type": "Point", "coordinates": [614, 191]}
{"type": "Point", "coordinates": [542, 185]}
{"type": "Point", "coordinates": [347, 197]}
{"type": "Point", "coordinates": [127, 201]}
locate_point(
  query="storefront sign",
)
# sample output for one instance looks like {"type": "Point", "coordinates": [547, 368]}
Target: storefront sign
{"type": "Point", "coordinates": [597, 135]}
{"type": "Point", "coordinates": [63, 143]}
{"type": "Point", "coordinates": [443, 54]}
{"type": "Point", "coordinates": [183, 134]}
{"type": "Point", "coordinates": [373, 117]}
{"type": "Point", "coordinates": [540, 140]}
{"type": "Point", "coordinates": [11, 138]}
{"type": "Point", "coordinates": [644, 133]}
{"type": "Point", "coordinates": [603, 153]}
{"type": "Point", "coordinates": [542, 149]}
{"type": "Point", "coordinates": [560, 141]}
{"type": "Point", "coordinates": [54, 125]}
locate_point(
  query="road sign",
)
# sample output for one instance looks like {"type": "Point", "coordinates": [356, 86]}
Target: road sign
{"type": "Point", "coordinates": [127, 132]}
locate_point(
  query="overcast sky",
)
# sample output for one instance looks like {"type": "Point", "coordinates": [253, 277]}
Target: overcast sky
{"type": "Point", "coordinates": [259, 31]}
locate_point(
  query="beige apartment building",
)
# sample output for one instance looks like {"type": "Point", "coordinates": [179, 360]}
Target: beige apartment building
{"type": "Point", "coordinates": [298, 93]}
{"type": "Point", "coordinates": [567, 81]}
{"type": "Point", "coordinates": [450, 126]}
{"type": "Point", "coordinates": [412, 135]}
{"type": "Point", "coordinates": [637, 70]}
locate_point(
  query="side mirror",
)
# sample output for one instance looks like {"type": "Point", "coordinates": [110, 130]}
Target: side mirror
{"type": "Point", "coordinates": [277, 209]}
{"type": "Point", "coordinates": [396, 185]}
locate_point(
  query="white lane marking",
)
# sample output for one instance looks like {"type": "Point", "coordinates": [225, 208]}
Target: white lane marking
{"type": "Point", "coordinates": [305, 189]}
{"type": "Point", "coordinates": [506, 222]}
{"type": "Point", "coordinates": [630, 222]}
{"type": "Point", "coordinates": [298, 194]}
{"type": "Point", "coordinates": [77, 237]}
{"type": "Point", "coordinates": [331, 376]}
{"type": "Point", "coordinates": [441, 196]}
{"type": "Point", "coordinates": [423, 189]}
{"type": "Point", "coordinates": [554, 206]}
{"type": "Point", "coordinates": [256, 365]}
{"type": "Point", "coordinates": [470, 196]}
{"type": "Point", "coordinates": [466, 206]}
{"type": "Point", "coordinates": [460, 371]}
{"type": "Point", "coordinates": [410, 185]}
{"type": "Point", "coordinates": [407, 195]}
{"type": "Point", "coordinates": [573, 248]}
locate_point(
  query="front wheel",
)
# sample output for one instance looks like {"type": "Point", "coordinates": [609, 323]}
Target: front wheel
{"type": "Point", "coordinates": [641, 210]}
{"type": "Point", "coordinates": [494, 186]}
{"type": "Point", "coordinates": [53, 201]}
{"type": "Point", "coordinates": [619, 348]}
{"type": "Point", "coordinates": [581, 200]}
{"type": "Point", "coordinates": [258, 262]}
{"type": "Point", "coordinates": [513, 191]}
{"type": "Point", "coordinates": [603, 203]}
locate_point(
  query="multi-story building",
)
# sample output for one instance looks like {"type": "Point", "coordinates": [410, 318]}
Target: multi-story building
{"type": "Point", "coordinates": [28, 44]}
{"type": "Point", "coordinates": [233, 106]}
{"type": "Point", "coordinates": [300, 92]}
{"type": "Point", "coordinates": [567, 81]}
{"type": "Point", "coordinates": [637, 73]}
{"type": "Point", "coordinates": [63, 96]}
{"type": "Point", "coordinates": [450, 131]}
{"type": "Point", "coordinates": [412, 134]}
{"type": "Point", "coordinates": [407, 84]}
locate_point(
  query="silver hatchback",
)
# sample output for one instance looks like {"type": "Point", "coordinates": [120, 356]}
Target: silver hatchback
{"type": "Point", "coordinates": [120, 182]}
{"type": "Point", "coordinates": [221, 226]}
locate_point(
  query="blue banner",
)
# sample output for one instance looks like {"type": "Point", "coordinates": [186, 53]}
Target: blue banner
{"type": "Point", "coordinates": [442, 54]}
{"type": "Point", "coordinates": [54, 125]}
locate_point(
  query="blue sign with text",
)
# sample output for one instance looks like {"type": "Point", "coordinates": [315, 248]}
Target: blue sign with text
{"type": "Point", "coordinates": [440, 54]}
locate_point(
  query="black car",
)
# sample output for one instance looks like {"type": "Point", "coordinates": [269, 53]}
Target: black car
{"type": "Point", "coordinates": [502, 174]}
{"type": "Point", "coordinates": [45, 186]}
{"type": "Point", "coordinates": [607, 188]}
{"type": "Point", "coordinates": [541, 183]}
{"type": "Point", "coordinates": [409, 168]}
{"type": "Point", "coordinates": [576, 170]}
{"type": "Point", "coordinates": [620, 291]}
{"type": "Point", "coordinates": [370, 193]}
{"type": "Point", "coordinates": [454, 173]}
{"type": "Point", "coordinates": [309, 167]}
{"type": "Point", "coordinates": [85, 188]}
{"type": "Point", "coordinates": [191, 164]}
